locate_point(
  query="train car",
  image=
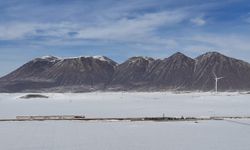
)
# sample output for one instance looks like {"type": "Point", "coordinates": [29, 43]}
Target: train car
{"type": "Point", "coordinates": [58, 117]}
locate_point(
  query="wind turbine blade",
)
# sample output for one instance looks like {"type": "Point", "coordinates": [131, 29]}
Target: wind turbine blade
{"type": "Point", "coordinates": [214, 74]}
{"type": "Point", "coordinates": [220, 78]}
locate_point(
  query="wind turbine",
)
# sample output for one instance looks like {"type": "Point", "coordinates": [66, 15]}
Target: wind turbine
{"type": "Point", "coordinates": [216, 81]}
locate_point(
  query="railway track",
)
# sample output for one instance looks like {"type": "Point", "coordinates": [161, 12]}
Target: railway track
{"type": "Point", "coordinates": [158, 119]}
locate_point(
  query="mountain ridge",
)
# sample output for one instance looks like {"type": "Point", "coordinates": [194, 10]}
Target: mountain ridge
{"type": "Point", "coordinates": [100, 73]}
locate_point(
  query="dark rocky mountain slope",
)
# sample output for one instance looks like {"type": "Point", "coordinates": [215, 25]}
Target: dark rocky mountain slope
{"type": "Point", "coordinates": [236, 73]}
{"type": "Point", "coordinates": [48, 72]}
{"type": "Point", "coordinates": [81, 74]}
{"type": "Point", "coordinates": [131, 73]}
{"type": "Point", "coordinates": [174, 72]}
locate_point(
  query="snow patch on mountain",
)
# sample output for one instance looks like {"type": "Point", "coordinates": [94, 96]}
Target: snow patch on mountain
{"type": "Point", "coordinates": [138, 58]}
{"type": "Point", "coordinates": [98, 57]}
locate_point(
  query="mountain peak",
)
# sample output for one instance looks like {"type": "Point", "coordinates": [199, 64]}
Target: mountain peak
{"type": "Point", "coordinates": [87, 73]}
{"type": "Point", "coordinates": [53, 58]}
{"type": "Point", "coordinates": [178, 55]}
{"type": "Point", "coordinates": [214, 53]}
{"type": "Point", "coordinates": [210, 55]}
{"type": "Point", "coordinates": [49, 57]}
{"type": "Point", "coordinates": [140, 58]}
{"type": "Point", "coordinates": [104, 58]}
{"type": "Point", "coordinates": [46, 58]}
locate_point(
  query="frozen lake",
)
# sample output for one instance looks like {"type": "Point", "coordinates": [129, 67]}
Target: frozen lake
{"type": "Point", "coordinates": [77, 135]}
{"type": "Point", "coordinates": [128, 104]}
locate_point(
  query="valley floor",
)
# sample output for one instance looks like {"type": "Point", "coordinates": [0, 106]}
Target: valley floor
{"type": "Point", "coordinates": [228, 134]}
{"type": "Point", "coordinates": [77, 135]}
{"type": "Point", "coordinates": [127, 104]}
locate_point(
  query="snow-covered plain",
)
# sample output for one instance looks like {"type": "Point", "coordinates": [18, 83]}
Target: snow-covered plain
{"type": "Point", "coordinates": [96, 135]}
{"type": "Point", "coordinates": [128, 104]}
{"type": "Point", "coordinates": [77, 135]}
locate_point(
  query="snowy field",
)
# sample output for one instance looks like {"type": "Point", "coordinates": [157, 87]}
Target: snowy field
{"type": "Point", "coordinates": [97, 135]}
{"type": "Point", "coordinates": [128, 104]}
{"type": "Point", "coordinates": [77, 135]}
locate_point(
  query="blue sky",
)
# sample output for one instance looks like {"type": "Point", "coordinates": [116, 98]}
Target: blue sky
{"type": "Point", "coordinates": [120, 29]}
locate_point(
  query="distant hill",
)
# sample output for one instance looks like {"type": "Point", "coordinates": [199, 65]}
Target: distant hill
{"type": "Point", "coordinates": [92, 73]}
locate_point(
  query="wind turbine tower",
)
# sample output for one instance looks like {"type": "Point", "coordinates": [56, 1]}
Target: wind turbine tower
{"type": "Point", "coordinates": [216, 81]}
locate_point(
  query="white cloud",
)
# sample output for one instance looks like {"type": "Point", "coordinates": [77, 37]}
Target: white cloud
{"type": "Point", "coordinates": [234, 45]}
{"type": "Point", "coordinates": [138, 27]}
{"type": "Point", "coordinates": [142, 30]}
{"type": "Point", "coordinates": [198, 21]}
{"type": "Point", "coordinates": [15, 31]}
{"type": "Point", "coordinates": [226, 42]}
{"type": "Point", "coordinates": [11, 32]}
